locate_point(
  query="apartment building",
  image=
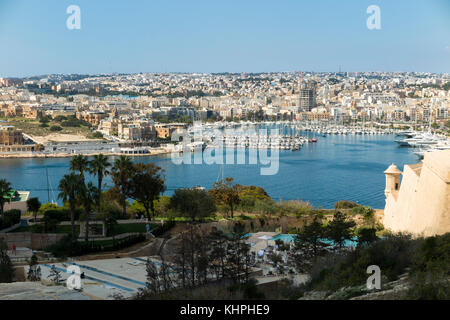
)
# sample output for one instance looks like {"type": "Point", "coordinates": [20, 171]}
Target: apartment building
{"type": "Point", "coordinates": [307, 96]}
{"type": "Point", "coordinates": [94, 118]}
{"type": "Point", "coordinates": [165, 131]}
{"type": "Point", "coordinates": [10, 82]}
{"type": "Point", "coordinates": [10, 136]}
{"type": "Point", "coordinates": [12, 141]}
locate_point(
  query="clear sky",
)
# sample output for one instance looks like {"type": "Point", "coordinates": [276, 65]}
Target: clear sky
{"type": "Point", "coordinates": [222, 36]}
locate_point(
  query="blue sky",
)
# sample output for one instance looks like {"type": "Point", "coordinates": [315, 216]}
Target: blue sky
{"type": "Point", "coordinates": [222, 36]}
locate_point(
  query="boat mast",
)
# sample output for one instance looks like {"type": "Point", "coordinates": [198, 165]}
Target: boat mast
{"type": "Point", "coordinates": [430, 116]}
{"type": "Point", "coordinates": [48, 185]}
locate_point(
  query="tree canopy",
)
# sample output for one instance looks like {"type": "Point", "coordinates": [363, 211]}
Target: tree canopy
{"type": "Point", "coordinates": [224, 192]}
{"type": "Point", "coordinates": [194, 203]}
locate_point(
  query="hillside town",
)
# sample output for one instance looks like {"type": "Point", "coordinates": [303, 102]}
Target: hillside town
{"type": "Point", "coordinates": [139, 112]}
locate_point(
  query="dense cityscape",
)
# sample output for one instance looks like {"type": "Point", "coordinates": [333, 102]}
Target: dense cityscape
{"type": "Point", "coordinates": [145, 109]}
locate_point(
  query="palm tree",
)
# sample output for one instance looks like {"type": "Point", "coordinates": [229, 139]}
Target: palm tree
{"type": "Point", "coordinates": [121, 173]}
{"type": "Point", "coordinates": [5, 188]}
{"type": "Point", "coordinates": [79, 163]}
{"type": "Point", "coordinates": [33, 205]}
{"type": "Point", "coordinates": [87, 197]}
{"type": "Point", "coordinates": [99, 167]}
{"type": "Point", "coordinates": [70, 188]}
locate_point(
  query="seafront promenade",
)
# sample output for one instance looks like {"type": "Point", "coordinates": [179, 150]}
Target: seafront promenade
{"type": "Point", "coordinates": [69, 155]}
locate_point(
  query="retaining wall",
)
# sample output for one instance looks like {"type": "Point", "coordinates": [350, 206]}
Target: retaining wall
{"type": "Point", "coordinates": [34, 241]}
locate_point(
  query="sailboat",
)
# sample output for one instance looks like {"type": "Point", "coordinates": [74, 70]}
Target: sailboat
{"type": "Point", "coordinates": [49, 188]}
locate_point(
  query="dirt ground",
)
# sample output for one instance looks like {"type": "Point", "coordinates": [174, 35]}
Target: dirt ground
{"type": "Point", "coordinates": [60, 137]}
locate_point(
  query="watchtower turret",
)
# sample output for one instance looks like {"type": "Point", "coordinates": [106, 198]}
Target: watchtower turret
{"type": "Point", "coordinates": [392, 180]}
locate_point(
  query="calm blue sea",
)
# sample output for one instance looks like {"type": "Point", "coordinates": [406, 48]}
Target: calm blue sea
{"type": "Point", "coordinates": [337, 167]}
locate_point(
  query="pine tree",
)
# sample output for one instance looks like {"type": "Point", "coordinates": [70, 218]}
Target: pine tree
{"type": "Point", "coordinates": [312, 235]}
{"type": "Point", "coordinates": [339, 230]}
{"type": "Point", "coordinates": [308, 245]}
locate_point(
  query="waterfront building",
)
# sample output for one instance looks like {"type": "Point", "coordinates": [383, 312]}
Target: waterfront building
{"type": "Point", "coordinates": [88, 147]}
{"type": "Point", "coordinates": [165, 131]}
{"type": "Point", "coordinates": [10, 136]}
{"type": "Point", "coordinates": [420, 203]}
{"type": "Point", "coordinates": [12, 141]}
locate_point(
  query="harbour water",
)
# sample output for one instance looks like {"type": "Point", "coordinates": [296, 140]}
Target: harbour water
{"type": "Point", "coordinates": [337, 167]}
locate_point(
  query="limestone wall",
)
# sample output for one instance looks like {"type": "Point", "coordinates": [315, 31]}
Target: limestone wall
{"type": "Point", "coordinates": [432, 212]}
{"type": "Point", "coordinates": [422, 205]}
{"type": "Point", "coordinates": [400, 206]}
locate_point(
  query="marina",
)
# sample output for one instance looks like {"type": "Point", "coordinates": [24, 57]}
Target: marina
{"type": "Point", "coordinates": [423, 142]}
{"type": "Point", "coordinates": [273, 135]}
{"type": "Point", "coordinates": [336, 167]}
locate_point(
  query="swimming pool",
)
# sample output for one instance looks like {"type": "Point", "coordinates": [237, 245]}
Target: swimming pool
{"type": "Point", "coordinates": [290, 238]}
{"type": "Point", "coordinates": [284, 237]}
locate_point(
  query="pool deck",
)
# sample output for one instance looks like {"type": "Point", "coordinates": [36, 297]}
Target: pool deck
{"type": "Point", "coordinates": [107, 277]}
{"type": "Point", "coordinates": [104, 278]}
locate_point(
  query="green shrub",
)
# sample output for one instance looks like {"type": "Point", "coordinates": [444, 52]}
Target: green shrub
{"type": "Point", "coordinates": [55, 128]}
{"type": "Point", "coordinates": [393, 255]}
{"type": "Point", "coordinates": [10, 218]}
{"type": "Point", "coordinates": [65, 248]}
{"type": "Point", "coordinates": [72, 121]}
{"type": "Point", "coordinates": [37, 228]}
{"type": "Point", "coordinates": [59, 215]}
{"type": "Point", "coordinates": [430, 274]}
{"type": "Point", "coordinates": [162, 207]}
{"type": "Point", "coordinates": [254, 199]}
{"type": "Point", "coordinates": [97, 135]}
{"type": "Point", "coordinates": [60, 118]}
{"type": "Point", "coordinates": [265, 207]}
{"type": "Point", "coordinates": [161, 229]}
{"type": "Point", "coordinates": [47, 206]}
{"type": "Point", "coordinates": [344, 204]}
{"type": "Point", "coordinates": [362, 210]}
{"type": "Point", "coordinates": [137, 208]}
{"type": "Point", "coordinates": [295, 207]}
{"type": "Point", "coordinates": [54, 212]}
